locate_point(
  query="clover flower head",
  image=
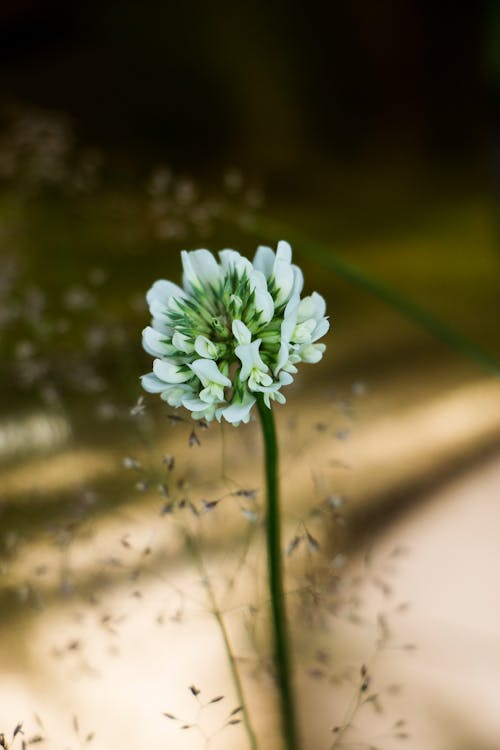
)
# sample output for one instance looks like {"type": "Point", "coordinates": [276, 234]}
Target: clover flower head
{"type": "Point", "coordinates": [233, 330]}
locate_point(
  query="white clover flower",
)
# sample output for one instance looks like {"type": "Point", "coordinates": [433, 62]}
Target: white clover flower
{"type": "Point", "coordinates": [235, 329]}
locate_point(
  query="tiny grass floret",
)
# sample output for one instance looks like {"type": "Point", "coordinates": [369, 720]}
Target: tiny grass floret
{"type": "Point", "coordinates": [235, 329]}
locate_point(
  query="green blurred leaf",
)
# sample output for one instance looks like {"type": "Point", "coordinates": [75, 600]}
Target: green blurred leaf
{"type": "Point", "coordinates": [323, 255]}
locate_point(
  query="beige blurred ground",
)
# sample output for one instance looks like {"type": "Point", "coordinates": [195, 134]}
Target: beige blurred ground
{"type": "Point", "coordinates": [125, 646]}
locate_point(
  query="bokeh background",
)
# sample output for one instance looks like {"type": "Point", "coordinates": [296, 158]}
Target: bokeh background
{"type": "Point", "coordinates": [368, 135]}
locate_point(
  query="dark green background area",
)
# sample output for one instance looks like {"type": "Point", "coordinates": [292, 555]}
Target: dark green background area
{"type": "Point", "coordinates": [373, 128]}
{"type": "Point", "coordinates": [271, 85]}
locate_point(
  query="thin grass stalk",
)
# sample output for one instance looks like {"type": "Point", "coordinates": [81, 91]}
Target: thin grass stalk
{"type": "Point", "coordinates": [233, 666]}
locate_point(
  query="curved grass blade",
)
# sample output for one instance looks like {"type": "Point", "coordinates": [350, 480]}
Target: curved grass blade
{"type": "Point", "coordinates": [440, 329]}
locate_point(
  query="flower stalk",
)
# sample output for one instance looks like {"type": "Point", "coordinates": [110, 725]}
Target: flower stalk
{"type": "Point", "coordinates": [275, 574]}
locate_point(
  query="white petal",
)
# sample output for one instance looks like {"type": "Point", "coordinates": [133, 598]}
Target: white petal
{"type": "Point", "coordinates": [232, 259]}
{"type": "Point", "coordinates": [303, 331]}
{"type": "Point", "coordinates": [259, 381]}
{"type": "Point", "coordinates": [282, 356]}
{"type": "Point", "coordinates": [155, 343]}
{"type": "Point", "coordinates": [241, 333]}
{"type": "Point", "coordinates": [160, 294]}
{"type": "Point", "coordinates": [283, 272]}
{"type": "Point", "coordinates": [208, 372]}
{"type": "Point", "coordinates": [152, 384]}
{"type": "Point", "coordinates": [319, 304]}
{"type": "Point", "coordinates": [212, 394]}
{"type": "Point", "coordinates": [205, 348]}
{"type": "Point", "coordinates": [284, 251]}
{"type": "Point", "coordinates": [264, 260]}
{"type": "Point", "coordinates": [249, 356]}
{"type": "Point", "coordinates": [169, 372]}
{"type": "Point", "coordinates": [306, 309]}
{"type": "Point", "coordinates": [298, 281]}
{"type": "Point", "coordinates": [182, 342]}
{"type": "Point", "coordinates": [174, 305]}
{"type": "Point", "coordinates": [284, 276]}
{"type": "Point", "coordinates": [289, 319]}
{"type": "Point", "coordinates": [285, 378]}
{"type": "Point", "coordinates": [287, 328]}
{"type": "Point", "coordinates": [263, 300]}
{"type": "Point", "coordinates": [194, 404]}
{"type": "Point", "coordinates": [239, 411]}
{"type": "Point", "coordinates": [312, 353]}
{"type": "Point", "coordinates": [160, 324]}
{"type": "Point", "coordinates": [199, 409]}
{"type": "Point", "coordinates": [157, 308]}
{"type": "Point", "coordinates": [207, 415]}
{"type": "Point", "coordinates": [228, 258]}
{"type": "Point", "coordinates": [200, 268]}
{"type": "Point", "coordinates": [273, 394]}
{"type": "Point", "coordinates": [321, 328]}
{"type": "Point", "coordinates": [174, 395]}
{"type": "Point", "coordinates": [313, 306]}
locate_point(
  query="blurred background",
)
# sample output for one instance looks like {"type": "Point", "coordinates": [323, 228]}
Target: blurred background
{"type": "Point", "coordinates": [368, 135]}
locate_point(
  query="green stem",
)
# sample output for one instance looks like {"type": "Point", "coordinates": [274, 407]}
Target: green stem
{"type": "Point", "coordinates": [279, 624]}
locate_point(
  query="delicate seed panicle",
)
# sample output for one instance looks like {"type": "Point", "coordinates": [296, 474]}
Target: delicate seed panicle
{"type": "Point", "coordinates": [131, 463]}
{"type": "Point", "coordinates": [209, 504]}
{"type": "Point", "coordinates": [342, 435]}
{"type": "Point", "coordinates": [17, 730]}
{"type": "Point", "coordinates": [316, 673]}
{"type": "Point", "coordinates": [169, 461]}
{"type": "Point", "coordinates": [39, 721]}
{"type": "Point", "coordinates": [139, 407]}
{"type": "Point", "coordinates": [163, 489]}
{"type": "Point", "coordinates": [250, 494]}
{"type": "Point", "coordinates": [365, 685]}
{"type": "Point", "coordinates": [293, 544]}
{"type": "Point", "coordinates": [193, 439]}
{"type": "Point", "coordinates": [334, 501]}
{"type": "Point", "coordinates": [312, 543]}
{"type": "Point", "coordinates": [250, 514]}
{"type": "Point", "coordinates": [167, 509]}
